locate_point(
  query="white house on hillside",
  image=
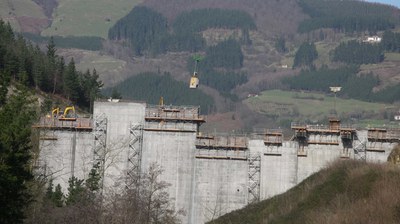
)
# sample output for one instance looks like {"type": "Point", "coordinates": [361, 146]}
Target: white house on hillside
{"type": "Point", "coordinates": [373, 39]}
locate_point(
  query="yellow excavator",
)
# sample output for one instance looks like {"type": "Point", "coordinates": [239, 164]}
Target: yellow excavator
{"type": "Point", "coordinates": [68, 114]}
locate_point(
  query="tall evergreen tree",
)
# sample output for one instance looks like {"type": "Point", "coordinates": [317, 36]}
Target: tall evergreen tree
{"type": "Point", "coordinates": [16, 117]}
{"type": "Point", "coordinates": [71, 83]}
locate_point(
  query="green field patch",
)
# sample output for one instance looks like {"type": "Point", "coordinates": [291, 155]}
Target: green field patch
{"type": "Point", "coordinates": [106, 66]}
{"type": "Point", "coordinates": [323, 49]}
{"type": "Point", "coordinates": [392, 56]}
{"type": "Point", "coordinates": [87, 17]}
{"type": "Point", "coordinates": [303, 105]}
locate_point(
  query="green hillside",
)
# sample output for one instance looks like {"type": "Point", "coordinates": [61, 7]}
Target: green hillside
{"type": "Point", "coordinates": [87, 17]}
{"type": "Point", "coordinates": [346, 192]}
{"type": "Point", "coordinates": [10, 11]}
{"type": "Point", "coordinates": [313, 106]}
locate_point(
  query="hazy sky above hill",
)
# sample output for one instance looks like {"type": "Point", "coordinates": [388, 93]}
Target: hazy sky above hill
{"type": "Point", "coordinates": [390, 2]}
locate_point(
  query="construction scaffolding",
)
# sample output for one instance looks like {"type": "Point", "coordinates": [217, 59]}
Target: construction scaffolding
{"type": "Point", "coordinates": [134, 153]}
{"type": "Point", "coordinates": [273, 137]}
{"type": "Point", "coordinates": [100, 144]}
{"type": "Point", "coordinates": [360, 150]}
{"type": "Point", "coordinates": [384, 135]}
{"type": "Point", "coordinates": [172, 118]}
{"type": "Point", "coordinates": [82, 124]}
{"type": "Point", "coordinates": [221, 147]}
{"type": "Point", "coordinates": [301, 136]}
{"type": "Point", "coordinates": [254, 162]}
{"type": "Point", "coordinates": [333, 134]}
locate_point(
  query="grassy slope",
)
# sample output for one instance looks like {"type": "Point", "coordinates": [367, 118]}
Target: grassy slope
{"type": "Point", "coordinates": [346, 192]}
{"type": "Point", "coordinates": [10, 10]}
{"type": "Point", "coordinates": [87, 17]}
{"type": "Point", "coordinates": [306, 105]}
{"type": "Point", "coordinates": [110, 69]}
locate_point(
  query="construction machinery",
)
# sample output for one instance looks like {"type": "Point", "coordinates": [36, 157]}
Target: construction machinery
{"type": "Point", "coordinates": [194, 80]}
{"type": "Point", "coordinates": [68, 114]}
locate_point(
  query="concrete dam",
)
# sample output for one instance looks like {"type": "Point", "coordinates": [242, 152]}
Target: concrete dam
{"type": "Point", "coordinates": [209, 174]}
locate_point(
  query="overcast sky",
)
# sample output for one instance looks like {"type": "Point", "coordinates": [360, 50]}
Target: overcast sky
{"type": "Point", "coordinates": [390, 2]}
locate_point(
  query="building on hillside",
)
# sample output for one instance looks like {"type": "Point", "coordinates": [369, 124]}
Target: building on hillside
{"type": "Point", "coordinates": [372, 39]}
{"type": "Point", "coordinates": [397, 116]}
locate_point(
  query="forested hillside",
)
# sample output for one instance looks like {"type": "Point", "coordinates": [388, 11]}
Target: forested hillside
{"type": "Point", "coordinates": [147, 31]}
{"type": "Point", "coordinates": [22, 62]}
{"type": "Point", "coordinates": [348, 16]}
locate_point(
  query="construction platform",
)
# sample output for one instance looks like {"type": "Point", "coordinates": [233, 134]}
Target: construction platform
{"type": "Point", "coordinates": [82, 124]}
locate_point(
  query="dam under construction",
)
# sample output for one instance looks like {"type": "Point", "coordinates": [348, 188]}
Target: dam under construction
{"type": "Point", "coordinates": [209, 174]}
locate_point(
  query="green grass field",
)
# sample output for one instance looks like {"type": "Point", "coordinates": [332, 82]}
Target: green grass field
{"type": "Point", "coordinates": [313, 106]}
{"type": "Point", "coordinates": [87, 17]}
{"type": "Point", "coordinates": [392, 56]}
{"type": "Point", "coordinates": [106, 66]}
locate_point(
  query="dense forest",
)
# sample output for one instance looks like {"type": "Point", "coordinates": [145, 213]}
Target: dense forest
{"type": "Point", "coordinates": [391, 41]}
{"type": "Point", "coordinates": [347, 16]}
{"type": "Point", "coordinates": [148, 32]}
{"type": "Point", "coordinates": [150, 87]}
{"type": "Point", "coordinates": [217, 69]}
{"type": "Point", "coordinates": [355, 52]}
{"type": "Point", "coordinates": [144, 28]}
{"type": "Point", "coordinates": [305, 55]}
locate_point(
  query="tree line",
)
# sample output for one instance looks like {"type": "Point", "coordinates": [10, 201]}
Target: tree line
{"type": "Point", "coordinates": [354, 85]}
{"type": "Point", "coordinates": [85, 42]}
{"type": "Point", "coordinates": [391, 41]}
{"type": "Point", "coordinates": [22, 62]}
{"type": "Point", "coordinates": [347, 16]}
{"type": "Point", "coordinates": [148, 32]}
{"type": "Point", "coordinates": [355, 52]}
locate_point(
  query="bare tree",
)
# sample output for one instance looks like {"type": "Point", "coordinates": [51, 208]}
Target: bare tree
{"type": "Point", "coordinates": [146, 201]}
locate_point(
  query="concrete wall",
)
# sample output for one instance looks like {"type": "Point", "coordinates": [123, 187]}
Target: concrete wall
{"type": "Point", "coordinates": [174, 152]}
{"type": "Point", "coordinates": [204, 181]}
{"type": "Point", "coordinates": [279, 167]}
{"type": "Point", "coordinates": [120, 116]}
{"type": "Point", "coordinates": [65, 153]}
{"type": "Point", "coordinates": [220, 187]}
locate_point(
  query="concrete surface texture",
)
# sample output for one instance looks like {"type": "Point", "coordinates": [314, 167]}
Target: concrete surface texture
{"type": "Point", "coordinates": [209, 175]}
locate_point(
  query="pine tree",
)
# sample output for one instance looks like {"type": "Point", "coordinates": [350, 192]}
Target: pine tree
{"type": "Point", "coordinates": [71, 83]}
{"type": "Point", "coordinates": [76, 191]}
{"type": "Point", "coordinates": [16, 117]}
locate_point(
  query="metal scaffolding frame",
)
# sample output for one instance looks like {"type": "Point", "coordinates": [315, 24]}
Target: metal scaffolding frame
{"type": "Point", "coordinates": [360, 151]}
{"type": "Point", "coordinates": [134, 152]}
{"type": "Point", "coordinates": [100, 144]}
{"type": "Point", "coordinates": [254, 161]}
